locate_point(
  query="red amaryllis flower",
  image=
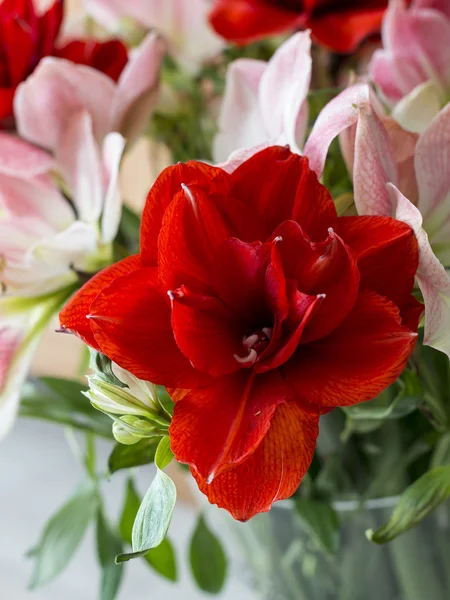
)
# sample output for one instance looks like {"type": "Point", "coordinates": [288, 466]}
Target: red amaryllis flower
{"type": "Point", "coordinates": [27, 36]}
{"type": "Point", "coordinates": [339, 24]}
{"type": "Point", "coordinates": [259, 308]}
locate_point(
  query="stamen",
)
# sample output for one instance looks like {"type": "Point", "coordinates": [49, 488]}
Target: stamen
{"type": "Point", "coordinates": [175, 294]}
{"type": "Point", "coordinates": [249, 360]}
{"type": "Point", "coordinates": [277, 239]}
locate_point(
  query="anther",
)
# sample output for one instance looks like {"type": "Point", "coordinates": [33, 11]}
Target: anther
{"type": "Point", "coordinates": [278, 239]}
{"type": "Point", "coordinates": [175, 294]}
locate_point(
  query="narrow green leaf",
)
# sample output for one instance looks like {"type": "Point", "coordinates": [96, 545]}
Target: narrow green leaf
{"type": "Point", "coordinates": [161, 558]}
{"type": "Point", "coordinates": [126, 457]}
{"type": "Point", "coordinates": [109, 545]}
{"type": "Point", "coordinates": [207, 559]}
{"type": "Point", "coordinates": [164, 454]}
{"type": "Point", "coordinates": [321, 522]}
{"type": "Point", "coordinates": [415, 503]}
{"type": "Point", "coordinates": [61, 401]}
{"type": "Point", "coordinates": [153, 517]}
{"type": "Point", "coordinates": [441, 454]}
{"type": "Point", "coordinates": [62, 536]}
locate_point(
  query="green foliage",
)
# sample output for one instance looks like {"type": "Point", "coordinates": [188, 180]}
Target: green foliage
{"type": "Point", "coordinates": [156, 510]}
{"type": "Point", "coordinates": [62, 535]}
{"type": "Point", "coordinates": [321, 521]}
{"type": "Point", "coordinates": [127, 457]}
{"type": "Point", "coordinates": [162, 558]}
{"type": "Point", "coordinates": [415, 503]}
{"type": "Point", "coordinates": [101, 365]}
{"type": "Point", "coordinates": [61, 401]}
{"type": "Point", "coordinates": [109, 544]}
{"type": "Point", "coordinates": [207, 559]}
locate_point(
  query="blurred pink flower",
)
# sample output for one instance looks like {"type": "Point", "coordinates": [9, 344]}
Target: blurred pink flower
{"type": "Point", "coordinates": [47, 100]}
{"type": "Point", "coordinates": [400, 174]}
{"type": "Point", "coordinates": [45, 240]}
{"type": "Point", "coordinates": [266, 103]}
{"type": "Point", "coordinates": [412, 71]}
{"type": "Point", "coordinates": [183, 24]}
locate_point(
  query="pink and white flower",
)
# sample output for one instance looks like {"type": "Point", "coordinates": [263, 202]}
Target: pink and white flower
{"type": "Point", "coordinates": [266, 103]}
{"type": "Point", "coordinates": [45, 240]}
{"type": "Point", "coordinates": [412, 71]}
{"type": "Point", "coordinates": [57, 89]}
{"type": "Point", "coordinates": [183, 24]}
{"type": "Point", "coordinates": [399, 174]}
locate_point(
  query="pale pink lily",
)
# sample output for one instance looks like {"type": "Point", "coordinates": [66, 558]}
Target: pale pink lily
{"type": "Point", "coordinates": [266, 103]}
{"type": "Point", "coordinates": [44, 240]}
{"type": "Point", "coordinates": [57, 89]}
{"type": "Point", "coordinates": [398, 174]}
{"type": "Point", "coordinates": [412, 71]}
{"type": "Point", "coordinates": [183, 24]}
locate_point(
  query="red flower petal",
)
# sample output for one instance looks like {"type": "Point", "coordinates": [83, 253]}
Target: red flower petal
{"type": "Point", "coordinates": [191, 232]}
{"type": "Point", "coordinates": [358, 360]}
{"type": "Point", "coordinates": [49, 25]}
{"type": "Point", "coordinates": [130, 320]}
{"type": "Point", "coordinates": [244, 21]}
{"type": "Point", "coordinates": [217, 427]}
{"type": "Point", "coordinates": [207, 333]}
{"type": "Point", "coordinates": [108, 57]}
{"type": "Point", "coordinates": [327, 269]}
{"type": "Point", "coordinates": [273, 472]}
{"type": "Point", "coordinates": [166, 187]}
{"type": "Point", "coordinates": [343, 30]}
{"type": "Point", "coordinates": [278, 185]}
{"type": "Point", "coordinates": [73, 315]}
{"type": "Point", "coordinates": [387, 254]}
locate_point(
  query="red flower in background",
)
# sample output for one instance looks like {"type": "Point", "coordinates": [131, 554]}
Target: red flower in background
{"type": "Point", "coordinates": [341, 25]}
{"type": "Point", "coordinates": [259, 308]}
{"type": "Point", "coordinates": [27, 36]}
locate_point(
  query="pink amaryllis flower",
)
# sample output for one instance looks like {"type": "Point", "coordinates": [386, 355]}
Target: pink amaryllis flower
{"type": "Point", "coordinates": [182, 23]}
{"type": "Point", "coordinates": [45, 241]}
{"type": "Point", "coordinates": [266, 103]}
{"type": "Point", "coordinates": [412, 71]}
{"type": "Point", "coordinates": [45, 103]}
{"type": "Point", "coordinates": [397, 173]}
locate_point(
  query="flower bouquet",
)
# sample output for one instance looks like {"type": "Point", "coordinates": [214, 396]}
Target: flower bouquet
{"type": "Point", "coordinates": [287, 276]}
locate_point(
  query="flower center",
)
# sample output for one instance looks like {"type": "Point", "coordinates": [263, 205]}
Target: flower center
{"type": "Point", "coordinates": [254, 345]}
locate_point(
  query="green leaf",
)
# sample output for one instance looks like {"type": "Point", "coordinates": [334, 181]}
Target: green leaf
{"type": "Point", "coordinates": [101, 365]}
{"type": "Point", "coordinates": [109, 545]}
{"type": "Point", "coordinates": [207, 559]}
{"type": "Point", "coordinates": [61, 401]}
{"type": "Point", "coordinates": [415, 503]}
{"type": "Point", "coordinates": [164, 454]}
{"type": "Point", "coordinates": [321, 522]}
{"type": "Point", "coordinates": [441, 454]}
{"type": "Point", "coordinates": [161, 558]}
{"type": "Point", "coordinates": [62, 536]}
{"type": "Point", "coordinates": [126, 457]}
{"type": "Point", "coordinates": [153, 517]}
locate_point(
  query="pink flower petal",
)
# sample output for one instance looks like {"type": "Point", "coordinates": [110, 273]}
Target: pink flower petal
{"type": "Point", "coordinates": [433, 279]}
{"type": "Point", "coordinates": [47, 100]}
{"type": "Point", "coordinates": [137, 89]}
{"type": "Point", "coordinates": [284, 89]}
{"type": "Point", "coordinates": [241, 124]}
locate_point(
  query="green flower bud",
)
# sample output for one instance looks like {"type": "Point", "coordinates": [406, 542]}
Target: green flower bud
{"type": "Point", "coordinates": [129, 429]}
